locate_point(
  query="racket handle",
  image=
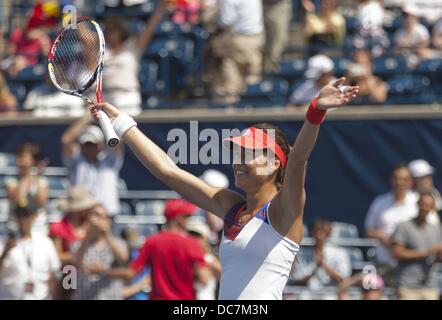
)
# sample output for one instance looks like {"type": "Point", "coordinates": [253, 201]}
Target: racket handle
{"type": "Point", "coordinates": [112, 139]}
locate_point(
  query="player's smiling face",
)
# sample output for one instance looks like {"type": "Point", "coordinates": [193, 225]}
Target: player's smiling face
{"type": "Point", "coordinates": [250, 169]}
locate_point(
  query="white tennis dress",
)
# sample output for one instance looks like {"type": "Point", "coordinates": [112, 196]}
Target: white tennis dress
{"type": "Point", "coordinates": [256, 260]}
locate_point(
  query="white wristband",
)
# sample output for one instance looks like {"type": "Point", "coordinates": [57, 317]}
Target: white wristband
{"type": "Point", "coordinates": [123, 123]}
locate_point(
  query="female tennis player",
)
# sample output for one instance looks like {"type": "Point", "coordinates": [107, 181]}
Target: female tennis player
{"type": "Point", "coordinates": [263, 228]}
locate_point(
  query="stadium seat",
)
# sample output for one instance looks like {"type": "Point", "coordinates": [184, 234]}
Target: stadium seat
{"type": "Point", "coordinates": [122, 186]}
{"type": "Point", "coordinates": [4, 209]}
{"type": "Point", "coordinates": [387, 66]}
{"type": "Point", "coordinates": [143, 230]}
{"type": "Point", "coordinates": [31, 74]}
{"type": "Point", "coordinates": [410, 89]}
{"type": "Point", "coordinates": [351, 25]}
{"type": "Point", "coordinates": [392, 25]}
{"type": "Point", "coordinates": [341, 65]}
{"type": "Point", "coordinates": [55, 209]}
{"type": "Point", "coordinates": [125, 208]}
{"type": "Point", "coordinates": [7, 159]}
{"type": "Point", "coordinates": [58, 183]}
{"type": "Point", "coordinates": [305, 232]}
{"type": "Point", "coordinates": [293, 69]}
{"type": "Point", "coordinates": [135, 11]}
{"type": "Point", "coordinates": [269, 91]}
{"type": "Point", "coordinates": [149, 207]}
{"type": "Point", "coordinates": [148, 76]}
{"type": "Point", "coordinates": [356, 258]}
{"type": "Point", "coordinates": [429, 66]}
{"type": "Point", "coordinates": [432, 69]}
{"type": "Point", "coordinates": [18, 90]}
{"type": "Point", "coordinates": [343, 230]}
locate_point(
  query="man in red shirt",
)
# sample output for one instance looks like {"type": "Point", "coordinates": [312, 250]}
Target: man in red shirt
{"type": "Point", "coordinates": [176, 259]}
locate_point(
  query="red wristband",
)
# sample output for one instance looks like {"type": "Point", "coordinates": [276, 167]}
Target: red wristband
{"type": "Point", "coordinates": [315, 115]}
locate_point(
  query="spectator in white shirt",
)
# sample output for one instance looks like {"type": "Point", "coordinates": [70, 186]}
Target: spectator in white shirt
{"type": "Point", "coordinates": [91, 164]}
{"type": "Point", "coordinates": [388, 210]}
{"type": "Point", "coordinates": [28, 261]}
{"type": "Point", "coordinates": [412, 39]}
{"type": "Point", "coordinates": [121, 86]}
{"type": "Point", "coordinates": [237, 49]}
{"type": "Point", "coordinates": [324, 264]}
{"type": "Point", "coordinates": [319, 73]}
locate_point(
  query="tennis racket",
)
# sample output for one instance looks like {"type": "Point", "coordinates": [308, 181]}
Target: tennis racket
{"type": "Point", "coordinates": [75, 63]}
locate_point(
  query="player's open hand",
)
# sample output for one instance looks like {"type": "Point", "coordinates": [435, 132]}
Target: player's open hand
{"type": "Point", "coordinates": [109, 109]}
{"type": "Point", "coordinates": [336, 95]}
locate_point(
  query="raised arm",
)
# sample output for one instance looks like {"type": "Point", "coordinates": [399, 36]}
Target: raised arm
{"type": "Point", "coordinates": [287, 207]}
{"type": "Point", "coordinates": [145, 36]}
{"type": "Point", "coordinates": [212, 199]}
{"type": "Point", "coordinates": [69, 137]}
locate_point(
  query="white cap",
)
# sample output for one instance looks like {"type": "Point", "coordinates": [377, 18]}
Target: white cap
{"type": "Point", "coordinates": [92, 134]}
{"type": "Point", "coordinates": [420, 168]}
{"type": "Point", "coordinates": [215, 178]}
{"type": "Point", "coordinates": [410, 9]}
{"type": "Point", "coordinates": [318, 65]}
{"type": "Point", "coordinates": [199, 227]}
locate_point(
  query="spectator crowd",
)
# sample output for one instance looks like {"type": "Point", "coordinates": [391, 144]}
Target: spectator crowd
{"type": "Point", "coordinates": [222, 48]}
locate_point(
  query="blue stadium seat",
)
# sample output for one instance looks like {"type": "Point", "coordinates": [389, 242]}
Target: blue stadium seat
{"type": "Point", "coordinates": [351, 24]}
{"type": "Point", "coordinates": [292, 69]}
{"type": "Point", "coordinates": [305, 232]}
{"type": "Point", "coordinates": [54, 209]}
{"type": "Point", "coordinates": [149, 74]}
{"type": "Point", "coordinates": [18, 90]}
{"type": "Point", "coordinates": [409, 84]}
{"type": "Point", "coordinates": [143, 230]}
{"type": "Point", "coordinates": [410, 89]}
{"type": "Point", "coordinates": [122, 186]}
{"type": "Point", "coordinates": [387, 66]}
{"type": "Point", "coordinates": [58, 183]}
{"type": "Point", "coordinates": [125, 208]}
{"type": "Point", "coordinates": [7, 159]}
{"type": "Point", "coordinates": [341, 65]}
{"type": "Point", "coordinates": [392, 25]}
{"type": "Point", "coordinates": [29, 76]}
{"type": "Point", "coordinates": [135, 11]}
{"type": "Point", "coordinates": [429, 66]}
{"type": "Point", "coordinates": [268, 91]}
{"type": "Point", "coordinates": [356, 258]}
{"type": "Point", "coordinates": [4, 209]}
{"type": "Point", "coordinates": [343, 230]}
{"type": "Point", "coordinates": [432, 68]}
{"type": "Point", "coordinates": [149, 207]}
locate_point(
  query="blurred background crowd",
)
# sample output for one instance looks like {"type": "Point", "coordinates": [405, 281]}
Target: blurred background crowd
{"type": "Point", "coordinates": [182, 53]}
{"type": "Point", "coordinates": [210, 53]}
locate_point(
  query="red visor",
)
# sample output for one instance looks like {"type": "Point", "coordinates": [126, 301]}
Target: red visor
{"type": "Point", "coordinates": [255, 138]}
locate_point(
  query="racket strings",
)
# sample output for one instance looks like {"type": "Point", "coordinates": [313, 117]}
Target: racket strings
{"type": "Point", "coordinates": [77, 57]}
